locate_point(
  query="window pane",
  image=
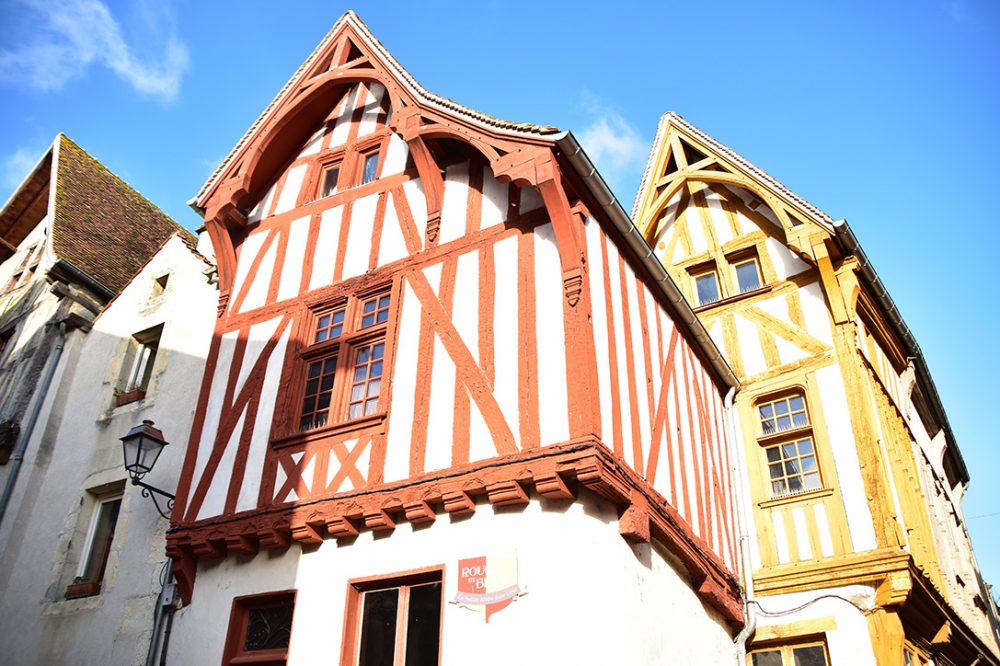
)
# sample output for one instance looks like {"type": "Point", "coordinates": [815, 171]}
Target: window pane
{"type": "Point", "coordinates": [378, 628]}
{"type": "Point", "coordinates": [747, 276]}
{"type": "Point", "coordinates": [423, 625]}
{"type": "Point", "coordinates": [268, 628]}
{"type": "Point", "coordinates": [779, 488]}
{"type": "Point", "coordinates": [773, 454]}
{"type": "Point", "coordinates": [768, 658]}
{"type": "Point", "coordinates": [329, 326]}
{"type": "Point", "coordinates": [811, 481]}
{"type": "Point", "coordinates": [100, 545]}
{"type": "Point", "coordinates": [371, 167]}
{"type": "Point", "coordinates": [330, 181]}
{"type": "Point", "coordinates": [707, 287]}
{"type": "Point", "coordinates": [375, 311]}
{"type": "Point", "coordinates": [776, 471]}
{"type": "Point", "coordinates": [366, 380]}
{"type": "Point", "coordinates": [317, 394]}
{"type": "Point", "coordinates": [812, 655]}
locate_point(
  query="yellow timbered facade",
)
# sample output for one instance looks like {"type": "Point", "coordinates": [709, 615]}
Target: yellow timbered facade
{"type": "Point", "coordinates": [853, 479]}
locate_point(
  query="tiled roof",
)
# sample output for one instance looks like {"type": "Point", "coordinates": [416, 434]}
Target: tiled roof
{"type": "Point", "coordinates": [421, 93]}
{"type": "Point", "coordinates": [101, 225]}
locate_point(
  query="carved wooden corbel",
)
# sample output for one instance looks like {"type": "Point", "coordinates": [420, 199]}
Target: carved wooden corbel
{"type": "Point", "coordinates": [409, 124]}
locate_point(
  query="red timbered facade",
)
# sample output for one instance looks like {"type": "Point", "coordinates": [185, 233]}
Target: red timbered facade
{"type": "Point", "coordinates": [422, 306]}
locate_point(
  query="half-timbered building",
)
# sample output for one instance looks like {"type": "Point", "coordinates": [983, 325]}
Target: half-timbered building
{"type": "Point", "coordinates": [854, 479]}
{"type": "Point", "coordinates": [446, 376]}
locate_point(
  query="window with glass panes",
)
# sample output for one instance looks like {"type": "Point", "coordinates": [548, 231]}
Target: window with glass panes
{"type": "Point", "coordinates": [330, 178]}
{"type": "Point", "coordinates": [707, 287]}
{"type": "Point", "coordinates": [786, 437]}
{"type": "Point", "coordinates": [809, 654]}
{"type": "Point", "coordinates": [370, 169]}
{"type": "Point", "coordinates": [747, 275]}
{"type": "Point", "coordinates": [260, 629]}
{"type": "Point", "coordinates": [345, 361]}
{"type": "Point", "coordinates": [395, 621]}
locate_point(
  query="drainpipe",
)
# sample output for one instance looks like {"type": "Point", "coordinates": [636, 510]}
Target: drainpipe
{"type": "Point", "coordinates": [742, 523]}
{"type": "Point", "coordinates": [36, 409]}
{"type": "Point", "coordinates": [166, 604]}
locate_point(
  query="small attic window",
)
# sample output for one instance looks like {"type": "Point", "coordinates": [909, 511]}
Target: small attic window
{"type": "Point", "coordinates": [370, 170]}
{"type": "Point", "coordinates": [160, 284]}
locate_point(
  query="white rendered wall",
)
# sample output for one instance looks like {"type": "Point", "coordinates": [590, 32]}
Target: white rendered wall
{"type": "Point", "coordinates": [849, 641]}
{"type": "Point", "coordinates": [80, 449]}
{"type": "Point", "coordinates": [592, 598]}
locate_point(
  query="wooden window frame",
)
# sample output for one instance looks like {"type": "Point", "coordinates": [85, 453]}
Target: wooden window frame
{"type": "Point", "coordinates": [356, 589]}
{"type": "Point", "coordinates": [137, 373]}
{"type": "Point", "coordinates": [739, 260]}
{"type": "Point", "coordinates": [780, 438]}
{"type": "Point", "coordinates": [239, 618]}
{"type": "Point", "coordinates": [82, 585]}
{"type": "Point", "coordinates": [363, 157]}
{"type": "Point", "coordinates": [787, 648]}
{"type": "Point", "coordinates": [702, 271]}
{"type": "Point", "coordinates": [288, 429]}
{"type": "Point", "coordinates": [334, 160]}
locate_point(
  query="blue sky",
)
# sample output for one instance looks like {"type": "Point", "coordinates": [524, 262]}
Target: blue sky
{"type": "Point", "coordinates": [882, 113]}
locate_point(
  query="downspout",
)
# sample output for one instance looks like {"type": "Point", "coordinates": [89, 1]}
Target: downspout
{"type": "Point", "coordinates": [29, 429]}
{"type": "Point", "coordinates": [166, 604]}
{"type": "Point", "coordinates": [738, 465]}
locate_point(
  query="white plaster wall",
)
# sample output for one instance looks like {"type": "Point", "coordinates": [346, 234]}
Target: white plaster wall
{"type": "Point", "coordinates": [845, 457]}
{"type": "Point", "coordinates": [592, 598]}
{"type": "Point", "coordinates": [849, 644]}
{"type": "Point", "coordinates": [80, 449]}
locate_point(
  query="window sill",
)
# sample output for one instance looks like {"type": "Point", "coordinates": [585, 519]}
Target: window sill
{"type": "Point", "coordinates": [797, 497]}
{"type": "Point", "coordinates": [732, 299]}
{"type": "Point", "coordinates": [79, 590]}
{"type": "Point", "coordinates": [330, 430]}
{"type": "Point", "coordinates": [129, 396]}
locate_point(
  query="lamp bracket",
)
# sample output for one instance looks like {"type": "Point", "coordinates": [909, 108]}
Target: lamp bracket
{"type": "Point", "coordinates": [152, 492]}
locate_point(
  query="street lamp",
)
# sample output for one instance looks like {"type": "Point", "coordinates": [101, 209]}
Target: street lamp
{"type": "Point", "coordinates": [141, 447]}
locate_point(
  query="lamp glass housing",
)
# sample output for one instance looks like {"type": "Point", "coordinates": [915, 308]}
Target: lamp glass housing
{"type": "Point", "coordinates": [141, 447]}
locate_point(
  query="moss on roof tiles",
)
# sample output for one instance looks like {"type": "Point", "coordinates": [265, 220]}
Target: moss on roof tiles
{"type": "Point", "coordinates": [103, 226]}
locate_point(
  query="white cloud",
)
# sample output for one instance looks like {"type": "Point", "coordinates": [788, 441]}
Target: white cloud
{"type": "Point", "coordinates": [70, 35]}
{"type": "Point", "coordinates": [615, 146]}
{"type": "Point", "coordinates": [16, 166]}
